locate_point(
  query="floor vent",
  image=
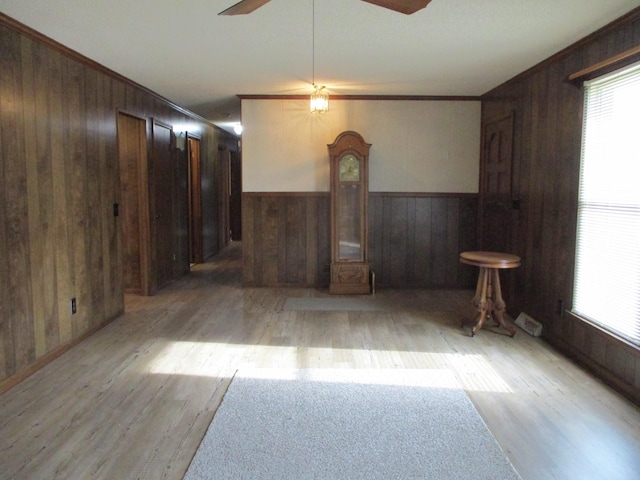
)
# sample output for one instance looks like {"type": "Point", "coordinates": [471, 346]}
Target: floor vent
{"type": "Point", "coordinates": [529, 325]}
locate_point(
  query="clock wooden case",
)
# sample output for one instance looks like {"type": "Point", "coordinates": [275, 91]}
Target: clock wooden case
{"type": "Point", "coordinates": [349, 157]}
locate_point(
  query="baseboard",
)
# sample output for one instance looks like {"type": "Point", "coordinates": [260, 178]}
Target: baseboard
{"type": "Point", "coordinates": [49, 357]}
{"type": "Point", "coordinates": [626, 389]}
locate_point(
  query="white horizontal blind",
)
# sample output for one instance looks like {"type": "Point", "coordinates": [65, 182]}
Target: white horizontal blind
{"type": "Point", "coordinates": [607, 275]}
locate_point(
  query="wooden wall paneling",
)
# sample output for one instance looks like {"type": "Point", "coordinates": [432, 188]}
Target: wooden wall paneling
{"type": "Point", "coordinates": [110, 194]}
{"type": "Point", "coordinates": [438, 241]}
{"type": "Point", "coordinates": [6, 334]}
{"type": "Point", "coordinates": [46, 83]}
{"type": "Point", "coordinates": [284, 253]}
{"type": "Point", "coordinates": [375, 235]}
{"type": "Point", "coordinates": [258, 251]}
{"type": "Point", "coordinates": [467, 238]}
{"type": "Point", "coordinates": [76, 190]}
{"type": "Point", "coordinates": [21, 286]}
{"type": "Point", "coordinates": [35, 177]}
{"type": "Point", "coordinates": [287, 240]}
{"type": "Point", "coordinates": [93, 205]}
{"type": "Point", "coordinates": [235, 207]}
{"type": "Point", "coordinates": [181, 224]}
{"type": "Point", "coordinates": [60, 167]}
{"type": "Point", "coordinates": [59, 180]}
{"type": "Point", "coordinates": [269, 240]}
{"type": "Point", "coordinates": [297, 239]}
{"type": "Point", "coordinates": [423, 258]}
{"type": "Point", "coordinates": [452, 242]}
{"type": "Point", "coordinates": [312, 266]}
{"type": "Point", "coordinates": [548, 114]}
{"type": "Point", "coordinates": [548, 200]}
{"type": "Point", "coordinates": [14, 203]}
{"type": "Point", "coordinates": [411, 250]}
{"type": "Point", "coordinates": [323, 222]}
{"type": "Point", "coordinates": [209, 150]}
{"type": "Point", "coordinates": [395, 213]}
{"type": "Point", "coordinates": [249, 248]}
{"type": "Point", "coordinates": [224, 169]}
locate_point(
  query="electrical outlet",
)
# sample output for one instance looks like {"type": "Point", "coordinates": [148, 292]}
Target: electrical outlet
{"type": "Point", "coordinates": [560, 308]}
{"type": "Point", "coordinates": [74, 308]}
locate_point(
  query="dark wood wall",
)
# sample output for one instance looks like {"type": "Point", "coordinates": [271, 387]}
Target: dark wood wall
{"type": "Point", "coordinates": [414, 239]}
{"type": "Point", "coordinates": [59, 180]}
{"type": "Point", "coordinates": [546, 158]}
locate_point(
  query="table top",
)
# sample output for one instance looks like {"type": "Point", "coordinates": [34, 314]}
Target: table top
{"type": "Point", "coordinates": [490, 259]}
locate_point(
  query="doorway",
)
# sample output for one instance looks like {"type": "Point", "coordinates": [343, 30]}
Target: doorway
{"type": "Point", "coordinates": [497, 202]}
{"type": "Point", "coordinates": [133, 205]}
{"type": "Point", "coordinates": [163, 244]}
{"type": "Point", "coordinates": [195, 200]}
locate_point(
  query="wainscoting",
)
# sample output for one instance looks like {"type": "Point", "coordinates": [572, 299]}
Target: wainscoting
{"type": "Point", "coordinates": [546, 166]}
{"type": "Point", "coordinates": [414, 239]}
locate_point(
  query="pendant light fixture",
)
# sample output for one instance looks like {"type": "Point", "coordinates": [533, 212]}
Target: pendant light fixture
{"type": "Point", "coordinates": [319, 96]}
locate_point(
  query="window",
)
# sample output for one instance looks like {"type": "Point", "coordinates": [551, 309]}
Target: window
{"type": "Point", "coordinates": [607, 278]}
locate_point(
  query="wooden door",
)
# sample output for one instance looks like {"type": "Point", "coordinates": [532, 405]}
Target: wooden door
{"type": "Point", "coordinates": [164, 255]}
{"type": "Point", "coordinates": [133, 204]}
{"type": "Point", "coordinates": [195, 201]}
{"type": "Point", "coordinates": [497, 202]}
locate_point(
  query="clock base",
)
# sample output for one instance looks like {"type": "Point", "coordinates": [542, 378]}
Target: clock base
{"type": "Point", "coordinates": [349, 279]}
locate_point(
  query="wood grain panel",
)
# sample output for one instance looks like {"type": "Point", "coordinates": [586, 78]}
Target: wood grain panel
{"type": "Point", "coordinates": [59, 179]}
{"type": "Point", "coordinates": [415, 239]}
{"type": "Point", "coordinates": [38, 175]}
{"type": "Point", "coordinates": [109, 194]}
{"type": "Point", "coordinates": [95, 226]}
{"type": "Point", "coordinates": [547, 137]}
{"type": "Point", "coordinates": [422, 241]}
{"type": "Point", "coordinates": [21, 346]}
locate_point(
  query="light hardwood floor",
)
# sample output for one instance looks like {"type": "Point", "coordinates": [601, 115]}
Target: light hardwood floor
{"type": "Point", "coordinates": [135, 399]}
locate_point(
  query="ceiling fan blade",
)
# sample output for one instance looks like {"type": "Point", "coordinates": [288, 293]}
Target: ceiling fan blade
{"type": "Point", "coordinates": [243, 7]}
{"type": "Point", "coordinates": [403, 6]}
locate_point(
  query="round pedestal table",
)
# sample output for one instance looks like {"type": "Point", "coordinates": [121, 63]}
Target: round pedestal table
{"type": "Point", "coordinates": [488, 298]}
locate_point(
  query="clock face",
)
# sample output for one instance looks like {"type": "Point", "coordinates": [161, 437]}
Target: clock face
{"type": "Point", "coordinates": [349, 167]}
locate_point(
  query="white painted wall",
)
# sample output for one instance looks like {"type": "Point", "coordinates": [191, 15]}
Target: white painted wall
{"type": "Point", "coordinates": [417, 146]}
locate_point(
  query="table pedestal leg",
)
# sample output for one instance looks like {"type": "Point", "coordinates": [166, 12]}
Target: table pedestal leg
{"type": "Point", "coordinates": [498, 304]}
{"type": "Point", "coordinates": [488, 301]}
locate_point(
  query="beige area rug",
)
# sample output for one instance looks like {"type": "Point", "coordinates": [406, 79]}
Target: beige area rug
{"type": "Point", "coordinates": [348, 424]}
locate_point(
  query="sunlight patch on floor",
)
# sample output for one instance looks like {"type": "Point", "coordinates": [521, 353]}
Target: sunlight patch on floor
{"type": "Point", "coordinates": [210, 359]}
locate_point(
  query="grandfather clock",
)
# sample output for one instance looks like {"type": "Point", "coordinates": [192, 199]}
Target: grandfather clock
{"type": "Point", "coordinates": [349, 156]}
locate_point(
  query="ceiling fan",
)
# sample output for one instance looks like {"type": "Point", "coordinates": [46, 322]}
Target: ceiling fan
{"type": "Point", "coordinates": [403, 6]}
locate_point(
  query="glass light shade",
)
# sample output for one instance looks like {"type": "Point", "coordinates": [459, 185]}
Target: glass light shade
{"type": "Point", "coordinates": [319, 100]}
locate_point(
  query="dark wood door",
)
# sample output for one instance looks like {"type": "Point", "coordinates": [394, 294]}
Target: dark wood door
{"type": "Point", "coordinates": [497, 202]}
{"type": "Point", "coordinates": [164, 254]}
{"type": "Point", "coordinates": [224, 236]}
{"type": "Point", "coordinates": [133, 204]}
{"type": "Point", "coordinates": [195, 201]}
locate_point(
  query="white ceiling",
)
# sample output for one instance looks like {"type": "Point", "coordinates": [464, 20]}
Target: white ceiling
{"type": "Point", "coordinates": [187, 53]}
